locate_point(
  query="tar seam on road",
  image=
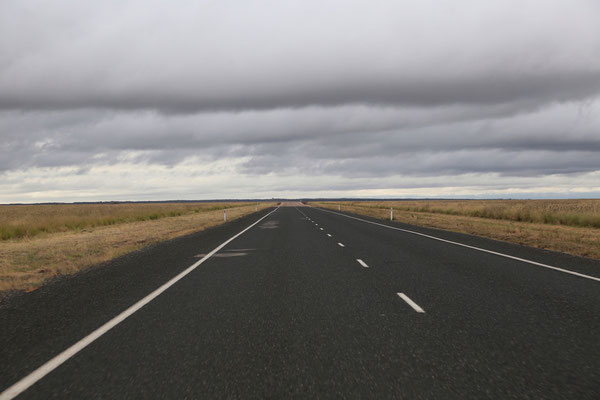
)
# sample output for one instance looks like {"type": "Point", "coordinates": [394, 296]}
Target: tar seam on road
{"type": "Point", "coordinates": [361, 262]}
{"type": "Point", "coordinates": [59, 359]}
{"type": "Point", "coordinates": [305, 216]}
{"type": "Point", "coordinates": [566, 271]}
{"type": "Point", "coordinates": [411, 303]}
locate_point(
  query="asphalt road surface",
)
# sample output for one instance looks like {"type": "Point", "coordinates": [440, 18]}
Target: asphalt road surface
{"type": "Point", "coordinates": [309, 303]}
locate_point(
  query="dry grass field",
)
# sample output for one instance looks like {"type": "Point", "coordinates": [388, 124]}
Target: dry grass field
{"type": "Point", "coordinates": [19, 221]}
{"type": "Point", "coordinates": [61, 239]}
{"type": "Point", "coordinates": [569, 226]}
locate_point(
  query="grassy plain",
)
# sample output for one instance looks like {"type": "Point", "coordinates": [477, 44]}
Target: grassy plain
{"type": "Point", "coordinates": [62, 239]}
{"type": "Point", "coordinates": [27, 221]}
{"type": "Point", "coordinates": [569, 226]}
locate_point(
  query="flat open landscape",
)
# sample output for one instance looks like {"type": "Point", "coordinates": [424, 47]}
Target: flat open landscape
{"type": "Point", "coordinates": [568, 226]}
{"type": "Point", "coordinates": [42, 241]}
{"type": "Point", "coordinates": [306, 302]}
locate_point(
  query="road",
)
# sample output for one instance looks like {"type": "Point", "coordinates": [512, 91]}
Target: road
{"type": "Point", "coordinates": [309, 303]}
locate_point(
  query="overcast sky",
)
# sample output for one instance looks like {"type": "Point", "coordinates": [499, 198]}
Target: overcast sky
{"type": "Point", "coordinates": [151, 100]}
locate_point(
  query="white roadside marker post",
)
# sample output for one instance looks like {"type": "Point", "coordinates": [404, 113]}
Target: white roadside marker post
{"type": "Point", "coordinates": [224, 215]}
{"type": "Point", "coordinates": [339, 207]}
{"type": "Point", "coordinates": [391, 214]}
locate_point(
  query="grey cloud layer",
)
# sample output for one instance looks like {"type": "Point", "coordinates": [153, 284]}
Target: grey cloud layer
{"type": "Point", "coordinates": [346, 140]}
{"type": "Point", "coordinates": [356, 89]}
{"type": "Point", "coordinates": [259, 55]}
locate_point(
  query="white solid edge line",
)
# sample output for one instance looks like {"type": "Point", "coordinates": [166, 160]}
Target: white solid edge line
{"type": "Point", "coordinates": [411, 303]}
{"type": "Point", "coordinates": [57, 360]}
{"type": "Point", "coordinates": [341, 245]}
{"type": "Point", "coordinates": [361, 262]}
{"type": "Point", "coordinates": [566, 271]}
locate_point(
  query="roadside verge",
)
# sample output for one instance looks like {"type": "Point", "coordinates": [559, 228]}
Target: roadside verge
{"type": "Point", "coordinates": [26, 264]}
{"type": "Point", "coordinates": [577, 241]}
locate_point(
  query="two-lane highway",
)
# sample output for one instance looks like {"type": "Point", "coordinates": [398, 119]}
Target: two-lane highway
{"type": "Point", "coordinates": [310, 303]}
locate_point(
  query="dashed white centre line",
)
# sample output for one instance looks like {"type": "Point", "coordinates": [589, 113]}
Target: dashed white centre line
{"type": "Point", "coordinates": [361, 262]}
{"type": "Point", "coordinates": [341, 245]}
{"type": "Point", "coordinates": [411, 303]}
{"type": "Point", "coordinates": [321, 228]}
{"type": "Point", "coordinates": [329, 234]}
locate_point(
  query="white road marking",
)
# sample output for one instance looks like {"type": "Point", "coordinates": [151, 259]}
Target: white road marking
{"type": "Point", "coordinates": [329, 234]}
{"type": "Point", "coordinates": [411, 303]}
{"type": "Point", "coordinates": [55, 362]}
{"type": "Point", "coordinates": [321, 228]}
{"type": "Point", "coordinates": [341, 245]}
{"type": "Point", "coordinates": [361, 262]}
{"type": "Point", "coordinates": [566, 271]}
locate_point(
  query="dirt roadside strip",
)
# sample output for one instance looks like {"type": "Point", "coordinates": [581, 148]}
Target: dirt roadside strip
{"type": "Point", "coordinates": [25, 264]}
{"type": "Point", "coordinates": [578, 241]}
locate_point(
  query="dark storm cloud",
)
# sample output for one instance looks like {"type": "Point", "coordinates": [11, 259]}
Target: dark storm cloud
{"type": "Point", "coordinates": [322, 140]}
{"type": "Point", "coordinates": [361, 90]}
{"type": "Point", "coordinates": [270, 92]}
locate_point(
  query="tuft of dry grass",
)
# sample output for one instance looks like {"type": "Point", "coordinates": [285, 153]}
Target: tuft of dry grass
{"type": "Point", "coordinates": [568, 226]}
{"type": "Point", "coordinates": [25, 263]}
